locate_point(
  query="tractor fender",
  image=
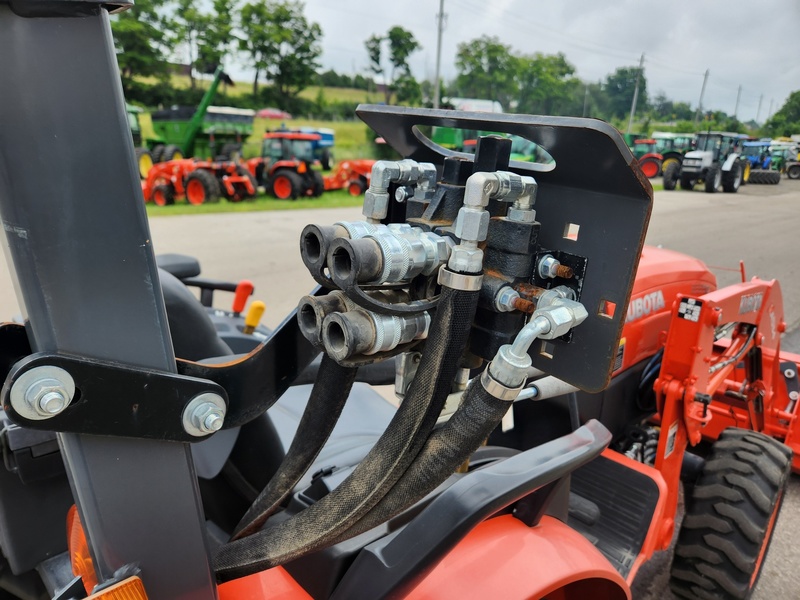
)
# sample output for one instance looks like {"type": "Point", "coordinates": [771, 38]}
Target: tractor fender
{"type": "Point", "coordinates": [729, 162]}
{"type": "Point", "coordinates": [504, 558]}
{"type": "Point", "coordinates": [500, 558]}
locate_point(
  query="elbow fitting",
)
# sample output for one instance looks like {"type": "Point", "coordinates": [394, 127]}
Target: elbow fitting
{"type": "Point", "coordinates": [385, 172]}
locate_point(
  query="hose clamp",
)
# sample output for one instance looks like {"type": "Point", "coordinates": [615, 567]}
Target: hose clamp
{"type": "Point", "coordinates": [460, 281]}
{"type": "Point", "coordinates": [497, 389]}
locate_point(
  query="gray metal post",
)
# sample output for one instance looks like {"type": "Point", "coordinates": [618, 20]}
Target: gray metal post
{"type": "Point", "coordinates": [440, 25]}
{"type": "Point", "coordinates": [77, 236]}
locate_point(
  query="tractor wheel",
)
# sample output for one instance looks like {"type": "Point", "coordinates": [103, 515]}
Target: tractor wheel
{"type": "Point", "coordinates": [357, 187]}
{"type": "Point", "coordinates": [285, 185]}
{"type": "Point", "coordinates": [713, 179]}
{"type": "Point", "coordinates": [650, 167]}
{"type": "Point", "coordinates": [687, 183]}
{"type": "Point", "coordinates": [745, 171]}
{"type": "Point", "coordinates": [672, 173]}
{"type": "Point", "coordinates": [669, 161]}
{"type": "Point", "coordinates": [144, 160]}
{"type": "Point", "coordinates": [730, 515]}
{"type": "Point", "coordinates": [325, 159]}
{"type": "Point", "coordinates": [244, 172]}
{"type": "Point", "coordinates": [202, 187]}
{"type": "Point", "coordinates": [171, 152]}
{"type": "Point", "coordinates": [772, 177]}
{"type": "Point", "coordinates": [319, 184]}
{"type": "Point", "coordinates": [157, 153]}
{"type": "Point", "coordinates": [793, 172]}
{"type": "Point", "coordinates": [731, 180]}
{"type": "Point", "coordinates": [164, 195]}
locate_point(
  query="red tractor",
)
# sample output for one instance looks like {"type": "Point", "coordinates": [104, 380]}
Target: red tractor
{"type": "Point", "coordinates": [285, 167]}
{"type": "Point", "coordinates": [650, 160]}
{"type": "Point", "coordinates": [354, 175]}
{"type": "Point", "coordinates": [200, 181]}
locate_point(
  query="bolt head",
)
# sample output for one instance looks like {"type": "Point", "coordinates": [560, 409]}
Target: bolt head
{"type": "Point", "coordinates": [548, 267]}
{"type": "Point", "coordinates": [789, 373]}
{"type": "Point", "coordinates": [52, 402]}
{"type": "Point", "coordinates": [794, 396]}
{"type": "Point", "coordinates": [213, 422]}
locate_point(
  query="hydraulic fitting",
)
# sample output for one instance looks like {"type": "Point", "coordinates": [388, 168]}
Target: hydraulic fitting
{"type": "Point", "coordinates": [398, 252]}
{"type": "Point", "coordinates": [385, 172]}
{"type": "Point", "coordinates": [364, 332]}
{"type": "Point", "coordinates": [315, 240]}
{"type": "Point", "coordinates": [312, 310]}
{"type": "Point", "coordinates": [554, 317]}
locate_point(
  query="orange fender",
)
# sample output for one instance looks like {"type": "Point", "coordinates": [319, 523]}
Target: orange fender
{"type": "Point", "coordinates": [500, 558]}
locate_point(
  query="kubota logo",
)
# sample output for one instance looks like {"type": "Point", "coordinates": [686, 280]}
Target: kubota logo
{"type": "Point", "coordinates": [644, 305]}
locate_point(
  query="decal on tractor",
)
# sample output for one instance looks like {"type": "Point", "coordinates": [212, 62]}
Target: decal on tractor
{"type": "Point", "coordinates": [644, 305]}
{"type": "Point", "coordinates": [690, 309]}
{"type": "Point", "coordinates": [750, 303]}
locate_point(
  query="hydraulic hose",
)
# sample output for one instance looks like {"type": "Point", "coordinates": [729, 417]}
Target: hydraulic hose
{"type": "Point", "coordinates": [328, 397]}
{"type": "Point", "coordinates": [446, 449]}
{"type": "Point", "coordinates": [326, 520]}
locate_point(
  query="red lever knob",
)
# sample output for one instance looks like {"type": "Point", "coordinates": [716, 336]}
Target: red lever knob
{"type": "Point", "coordinates": [243, 290]}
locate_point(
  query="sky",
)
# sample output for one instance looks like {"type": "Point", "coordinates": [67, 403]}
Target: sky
{"type": "Point", "coordinates": [749, 44]}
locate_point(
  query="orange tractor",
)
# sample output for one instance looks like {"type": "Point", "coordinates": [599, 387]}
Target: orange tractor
{"type": "Point", "coordinates": [199, 181]}
{"type": "Point", "coordinates": [285, 165]}
{"type": "Point", "coordinates": [351, 174]}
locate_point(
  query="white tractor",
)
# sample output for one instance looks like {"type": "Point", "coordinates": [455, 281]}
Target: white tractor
{"type": "Point", "coordinates": [715, 162]}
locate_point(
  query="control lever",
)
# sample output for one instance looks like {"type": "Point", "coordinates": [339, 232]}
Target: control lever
{"type": "Point", "coordinates": [244, 289]}
{"type": "Point", "coordinates": [254, 314]}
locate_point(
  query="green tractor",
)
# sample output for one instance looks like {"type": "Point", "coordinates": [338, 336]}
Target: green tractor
{"type": "Point", "coordinates": [208, 131]}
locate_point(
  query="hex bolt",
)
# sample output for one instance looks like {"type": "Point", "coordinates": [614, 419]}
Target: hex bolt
{"type": "Point", "coordinates": [505, 299]}
{"type": "Point", "coordinates": [550, 268]}
{"type": "Point", "coordinates": [42, 393]}
{"type": "Point", "coordinates": [794, 396]}
{"type": "Point", "coordinates": [403, 193]}
{"type": "Point", "coordinates": [52, 402]}
{"type": "Point", "coordinates": [789, 373]}
{"type": "Point", "coordinates": [205, 414]}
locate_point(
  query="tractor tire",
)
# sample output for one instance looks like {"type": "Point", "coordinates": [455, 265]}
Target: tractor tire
{"type": "Point", "coordinates": [357, 187]}
{"type": "Point", "coordinates": [713, 179]}
{"type": "Point", "coordinates": [171, 152]}
{"type": "Point", "coordinates": [285, 185]}
{"type": "Point", "coordinates": [731, 180]}
{"type": "Point", "coordinates": [671, 175]}
{"type": "Point", "coordinates": [244, 172]}
{"type": "Point", "coordinates": [202, 187]}
{"type": "Point", "coordinates": [144, 161]}
{"type": "Point", "coordinates": [325, 159]}
{"type": "Point", "coordinates": [670, 160]}
{"type": "Point", "coordinates": [730, 514]}
{"type": "Point", "coordinates": [164, 195]}
{"type": "Point", "coordinates": [157, 153]}
{"type": "Point", "coordinates": [319, 184]}
{"type": "Point", "coordinates": [755, 177]}
{"type": "Point", "coordinates": [687, 183]}
{"type": "Point", "coordinates": [651, 167]}
{"type": "Point", "coordinates": [793, 172]}
{"type": "Point", "coordinates": [772, 177]}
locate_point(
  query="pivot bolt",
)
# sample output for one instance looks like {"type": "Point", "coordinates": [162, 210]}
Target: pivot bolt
{"type": "Point", "coordinates": [789, 373]}
{"type": "Point", "coordinates": [42, 393]}
{"type": "Point", "coordinates": [205, 414]}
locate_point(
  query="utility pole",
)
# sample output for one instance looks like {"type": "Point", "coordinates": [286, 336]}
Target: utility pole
{"type": "Point", "coordinates": [440, 19]}
{"type": "Point", "coordinates": [635, 93]}
{"type": "Point", "coordinates": [702, 93]}
{"type": "Point", "coordinates": [769, 114]}
{"type": "Point", "coordinates": [738, 97]}
{"type": "Point", "coordinates": [758, 112]}
{"type": "Point", "coordinates": [585, 99]}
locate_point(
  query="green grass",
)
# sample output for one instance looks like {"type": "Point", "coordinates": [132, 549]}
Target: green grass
{"type": "Point", "coordinates": [335, 199]}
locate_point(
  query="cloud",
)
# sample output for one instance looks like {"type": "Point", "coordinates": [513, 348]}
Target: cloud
{"type": "Point", "coordinates": [741, 43]}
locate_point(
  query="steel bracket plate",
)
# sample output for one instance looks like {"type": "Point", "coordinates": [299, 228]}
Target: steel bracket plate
{"type": "Point", "coordinates": [593, 202]}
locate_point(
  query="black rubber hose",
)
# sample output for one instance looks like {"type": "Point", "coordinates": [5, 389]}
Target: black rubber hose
{"type": "Point", "coordinates": [446, 449]}
{"type": "Point", "coordinates": [325, 404]}
{"type": "Point", "coordinates": [323, 522]}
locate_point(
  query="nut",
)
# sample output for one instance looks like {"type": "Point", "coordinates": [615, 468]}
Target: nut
{"type": "Point", "coordinates": [521, 215]}
{"type": "Point", "coordinates": [204, 414]}
{"type": "Point", "coordinates": [466, 260]}
{"type": "Point", "coordinates": [506, 298]}
{"type": "Point", "coordinates": [548, 267]}
{"type": "Point", "coordinates": [471, 224]}
{"type": "Point", "coordinates": [562, 315]}
{"type": "Point", "coordinates": [47, 397]}
{"type": "Point", "coordinates": [376, 204]}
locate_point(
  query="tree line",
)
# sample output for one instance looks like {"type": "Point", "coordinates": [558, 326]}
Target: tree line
{"type": "Point", "coordinates": [282, 48]}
